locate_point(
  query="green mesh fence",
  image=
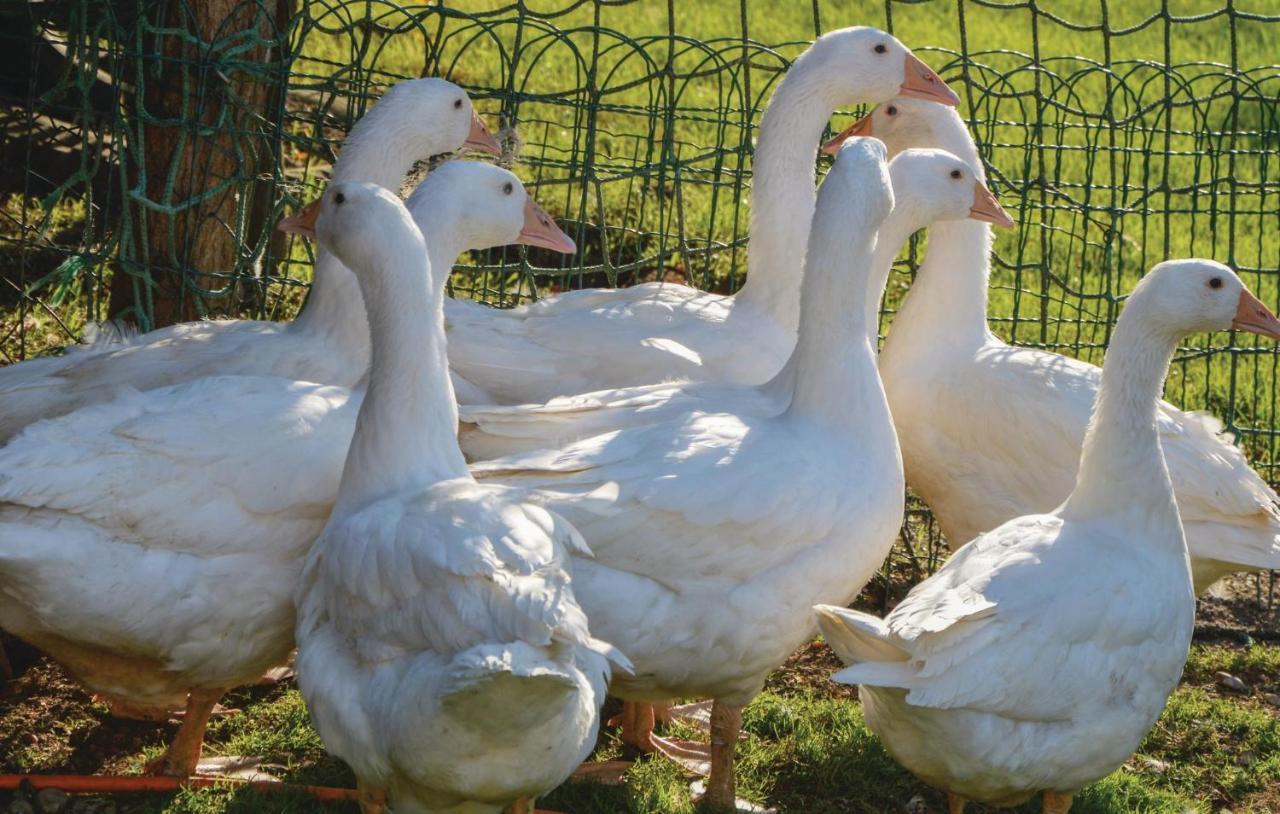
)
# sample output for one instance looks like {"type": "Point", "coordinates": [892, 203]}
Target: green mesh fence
{"type": "Point", "coordinates": [148, 146]}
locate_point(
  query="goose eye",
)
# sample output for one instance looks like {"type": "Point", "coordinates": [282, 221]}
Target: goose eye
{"type": "Point", "coordinates": [956, 174]}
{"type": "Point", "coordinates": [508, 188]}
{"type": "Point", "coordinates": [1216, 282]}
{"type": "Point", "coordinates": [891, 110]}
{"type": "Point", "coordinates": [457, 104]}
{"type": "Point", "coordinates": [339, 198]}
{"type": "Point", "coordinates": [881, 48]}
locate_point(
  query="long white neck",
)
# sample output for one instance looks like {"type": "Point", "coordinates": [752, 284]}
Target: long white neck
{"type": "Point", "coordinates": [782, 191]}
{"type": "Point", "coordinates": [834, 363]}
{"type": "Point", "coordinates": [949, 295]}
{"type": "Point", "coordinates": [1122, 466]}
{"type": "Point", "coordinates": [377, 151]}
{"type": "Point", "coordinates": [445, 243]}
{"type": "Point", "coordinates": [901, 224]}
{"type": "Point", "coordinates": [406, 433]}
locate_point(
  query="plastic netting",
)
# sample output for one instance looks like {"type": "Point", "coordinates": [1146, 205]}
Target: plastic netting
{"type": "Point", "coordinates": [148, 147]}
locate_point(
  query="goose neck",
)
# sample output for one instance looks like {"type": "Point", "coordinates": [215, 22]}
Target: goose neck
{"type": "Point", "coordinates": [949, 295]}
{"type": "Point", "coordinates": [782, 192]}
{"type": "Point", "coordinates": [406, 432]}
{"type": "Point", "coordinates": [901, 224]}
{"type": "Point", "coordinates": [833, 363]}
{"type": "Point", "coordinates": [1122, 466]}
{"type": "Point", "coordinates": [374, 154]}
{"type": "Point", "coordinates": [445, 244]}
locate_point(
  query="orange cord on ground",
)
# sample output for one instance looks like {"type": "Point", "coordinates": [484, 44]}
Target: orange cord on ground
{"type": "Point", "coordinates": [128, 784]}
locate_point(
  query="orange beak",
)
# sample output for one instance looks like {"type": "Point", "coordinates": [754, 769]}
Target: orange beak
{"type": "Point", "coordinates": [1254, 317]}
{"type": "Point", "coordinates": [862, 127]}
{"type": "Point", "coordinates": [920, 82]}
{"type": "Point", "coordinates": [987, 208]}
{"type": "Point", "coordinates": [540, 230]}
{"type": "Point", "coordinates": [480, 139]}
{"type": "Point", "coordinates": [302, 222]}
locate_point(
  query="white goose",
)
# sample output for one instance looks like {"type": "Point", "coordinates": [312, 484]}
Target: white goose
{"type": "Point", "coordinates": [660, 331]}
{"type": "Point", "coordinates": [1042, 652]}
{"type": "Point", "coordinates": [152, 544]}
{"type": "Point", "coordinates": [440, 649]}
{"type": "Point", "coordinates": [723, 525]}
{"type": "Point", "coordinates": [990, 432]}
{"type": "Point", "coordinates": [928, 186]}
{"type": "Point", "coordinates": [328, 342]}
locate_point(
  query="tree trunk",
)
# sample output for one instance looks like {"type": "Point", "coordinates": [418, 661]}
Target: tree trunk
{"type": "Point", "coordinates": [200, 128]}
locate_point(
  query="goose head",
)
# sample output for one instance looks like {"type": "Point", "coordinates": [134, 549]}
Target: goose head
{"type": "Point", "coordinates": [416, 119]}
{"type": "Point", "coordinates": [359, 223]}
{"type": "Point", "coordinates": [480, 206]}
{"type": "Point", "coordinates": [861, 63]}
{"type": "Point", "coordinates": [933, 185]}
{"type": "Point", "coordinates": [901, 123]}
{"type": "Point", "coordinates": [1181, 297]}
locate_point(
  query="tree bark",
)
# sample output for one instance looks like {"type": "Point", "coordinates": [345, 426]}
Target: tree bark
{"type": "Point", "coordinates": [207, 89]}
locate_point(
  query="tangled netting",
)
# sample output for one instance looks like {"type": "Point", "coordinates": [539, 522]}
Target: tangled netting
{"type": "Point", "coordinates": [149, 146]}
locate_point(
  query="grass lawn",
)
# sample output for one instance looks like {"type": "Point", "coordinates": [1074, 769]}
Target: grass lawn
{"type": "Point", "coordinates": [807, 750]}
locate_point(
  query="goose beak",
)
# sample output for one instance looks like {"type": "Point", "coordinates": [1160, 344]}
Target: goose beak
{"type": "Point", "coordinates": [862, 127]}
{"type": "Point", "coordinates": [480, 139]}
{"type": "Point", "coordinates": [987, 208]}
{"type": "Point", "coordinates": [540, 230]}
{"type": "Point", "coordinates": [302, 222]}
{"type": "Point", "coordinates": [920, 82]}
{"type": "Point", "coordinates": [1254, 317]}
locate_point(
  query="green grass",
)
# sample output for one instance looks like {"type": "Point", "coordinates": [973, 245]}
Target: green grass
{"type": "Point", "coordinates": [807, 752]}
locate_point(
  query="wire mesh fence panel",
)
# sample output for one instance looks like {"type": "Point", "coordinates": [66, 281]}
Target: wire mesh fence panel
{"type": "Point", "coordinates": [149, 146]}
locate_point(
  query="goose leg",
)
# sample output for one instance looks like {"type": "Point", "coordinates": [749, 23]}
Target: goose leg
{"type": "Point", "coordinates": [638, 720]}
{"type": "Point", "coordinates": [183, 754]}
{"type": "Point", "coordinates": [1055, 803]}
{"type": "Point", "coordinates": [637, 730]}
{"type": "Point", "coordinates": [726, 723]}
{"type": "Point", "coordinates": [637, 725]}
{"type": "Point", "coordinates": [955, 804]}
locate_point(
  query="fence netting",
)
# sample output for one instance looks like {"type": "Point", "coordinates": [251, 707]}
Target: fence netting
{"type": "Point", "coordinates": [149, 145]}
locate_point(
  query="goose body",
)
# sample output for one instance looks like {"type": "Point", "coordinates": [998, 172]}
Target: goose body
{"type": "Point", "coordinates": [440, 648]}
{"type": "Point", "coordinates": [657, 332]}
{"type": "Point", "coordinates": [990, 432]}
{"type": "Point", "coordinates": [711, 527]}
{"type": "Point", "coordinates": [1038, 657]}
{"type": "Point", "coordinates": [152, 543]}
{"type": "Point", "coordinates": [328, 342]}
